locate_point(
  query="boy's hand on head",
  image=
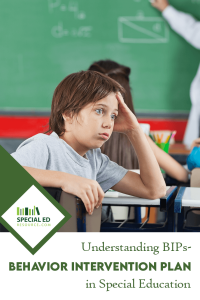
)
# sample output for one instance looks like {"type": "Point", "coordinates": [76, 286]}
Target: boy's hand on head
{"type": "Point", "coordinates": [126, 120]}
{"type": "Point", "coordinates": [159, 4]}
{"type": "Point", "coordinates": [88, 190]}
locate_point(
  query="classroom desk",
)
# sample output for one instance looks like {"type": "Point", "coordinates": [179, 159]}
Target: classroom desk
{"type": "Point", "coordinates": [179, 152]}
{"type": "Point", "coordinates": [179, 148]}
{"type": "Point", "coordinates": [165, 204]}
{"type": "Point", "coordinates": [187, 197]}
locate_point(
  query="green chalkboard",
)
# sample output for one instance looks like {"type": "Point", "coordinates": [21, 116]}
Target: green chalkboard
{"type": "Point", "coordinates": [42, 41]}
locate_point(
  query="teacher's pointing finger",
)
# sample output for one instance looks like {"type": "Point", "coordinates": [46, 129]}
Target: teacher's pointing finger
{"type": "Point", "coordinates": [159, 4]}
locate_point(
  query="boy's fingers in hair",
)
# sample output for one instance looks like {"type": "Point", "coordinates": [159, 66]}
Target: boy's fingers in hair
{"type": "Point", "coordinates": [119, 97]}
{"type": "Point", "coordinates": [122, 105]}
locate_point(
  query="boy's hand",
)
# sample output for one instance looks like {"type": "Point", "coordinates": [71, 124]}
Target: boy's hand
{"type": "Point", "coordinates": [126, 120]}
{"type": "Point", "coordinates": [159, 4]}
{"type": "Point", "coordinates": [195, 143]}
{"type": "Point", "coordinates": [89, 191]}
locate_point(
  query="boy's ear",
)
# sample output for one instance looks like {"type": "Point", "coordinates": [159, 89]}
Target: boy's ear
{"type": "Point", "coordinates": [68, 117]}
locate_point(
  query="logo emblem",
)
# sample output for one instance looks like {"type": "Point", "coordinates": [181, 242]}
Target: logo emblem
{"type": "Point", "coordinates": [27, 210]}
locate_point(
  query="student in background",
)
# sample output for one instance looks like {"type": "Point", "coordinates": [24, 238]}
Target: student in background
{"type": "Point", "coordinates": [189, 28]}
{"type": "Point", "coordinates": [118, 147]}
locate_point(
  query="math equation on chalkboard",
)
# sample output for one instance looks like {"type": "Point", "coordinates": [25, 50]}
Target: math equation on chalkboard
{"type": "Point", "coordinates": [69, 18]}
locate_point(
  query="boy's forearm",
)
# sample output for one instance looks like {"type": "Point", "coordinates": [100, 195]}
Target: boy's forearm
{"type": "Point", "coordinates": [149, 169]}
{"type": "Point", "coordinates": [168, 164]}
{"type": "Point", "coordinates": [47, 178]}
{"type": "Point", "coordinates": [89, 191]}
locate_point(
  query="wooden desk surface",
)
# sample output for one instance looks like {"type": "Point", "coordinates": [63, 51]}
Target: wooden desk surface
{"type": "Point", "coordinates": [178, 148]}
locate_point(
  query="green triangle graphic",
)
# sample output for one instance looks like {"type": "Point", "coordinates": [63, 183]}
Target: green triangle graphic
{"type": "Point", "coordinates": [14, 182]}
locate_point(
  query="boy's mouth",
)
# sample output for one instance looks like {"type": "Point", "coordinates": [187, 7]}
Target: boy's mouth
{"type": "Point", "coordinates": [104, 135]}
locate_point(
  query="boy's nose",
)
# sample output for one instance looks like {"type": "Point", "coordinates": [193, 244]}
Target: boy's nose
{"type": "Point", "coordinates": [107, 123]}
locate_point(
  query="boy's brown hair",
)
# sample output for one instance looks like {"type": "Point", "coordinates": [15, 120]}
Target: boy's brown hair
{"type": "Point", "coordinates": [77, 90]}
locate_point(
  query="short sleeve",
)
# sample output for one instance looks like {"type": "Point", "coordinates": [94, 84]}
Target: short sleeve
{"type": "Point", "coordinates": [34, 154]}
{"type": "Point", "coordinates": [109, 173]}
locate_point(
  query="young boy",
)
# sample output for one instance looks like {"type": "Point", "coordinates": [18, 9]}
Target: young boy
{"type": "Point", "coordinates": [86, 108]}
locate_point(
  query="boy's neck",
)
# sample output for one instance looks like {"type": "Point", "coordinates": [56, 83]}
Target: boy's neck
{"type": "Point", "coordinates": [72, 142]}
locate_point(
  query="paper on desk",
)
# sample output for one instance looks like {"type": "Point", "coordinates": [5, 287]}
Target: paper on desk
{"type": "Point", "coordinates": [112, 194]}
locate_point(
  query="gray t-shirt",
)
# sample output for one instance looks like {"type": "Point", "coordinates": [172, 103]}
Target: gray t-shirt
{"type": "Point", "coordinates": [52, 153]}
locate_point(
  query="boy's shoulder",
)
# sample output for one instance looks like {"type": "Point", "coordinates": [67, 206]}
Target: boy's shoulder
{"type": "Point", "coordinates": [40, 138]}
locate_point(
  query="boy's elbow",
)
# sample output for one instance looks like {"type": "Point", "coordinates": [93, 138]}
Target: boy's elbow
{"type": "Point", "coordinates": [157, 193]}
{"type": "Point", "coordinates": [183, 176]}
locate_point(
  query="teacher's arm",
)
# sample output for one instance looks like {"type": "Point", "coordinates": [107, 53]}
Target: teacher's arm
{"type": "Point", "coordinates": [182, 23]}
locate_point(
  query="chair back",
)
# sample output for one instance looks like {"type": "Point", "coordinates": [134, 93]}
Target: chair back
{"type": "Point", "coordinates": [195, 182]}
{"type": "Point", "coordinates": [72, 204]}
{"type": "Point", "coordinates": [80, 220]}
{"type": "Point", "coordinates": [195, 178]}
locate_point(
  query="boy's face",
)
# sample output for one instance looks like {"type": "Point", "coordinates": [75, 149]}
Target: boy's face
{"type": "Point", "coordinates": [93, 126]}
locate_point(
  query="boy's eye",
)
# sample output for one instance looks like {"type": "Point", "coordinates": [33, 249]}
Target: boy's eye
{"type": "Point", "coordinates": [99, 111]}
{"type": "Point", "coordinates": [113, 117]}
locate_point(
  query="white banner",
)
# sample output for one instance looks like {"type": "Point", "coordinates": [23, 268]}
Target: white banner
{"type": "Point", "coordinates": [102, 266]}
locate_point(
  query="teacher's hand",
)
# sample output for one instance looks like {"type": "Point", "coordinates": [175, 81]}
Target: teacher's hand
{"type": "Point", "coordinates": [159, 4]}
